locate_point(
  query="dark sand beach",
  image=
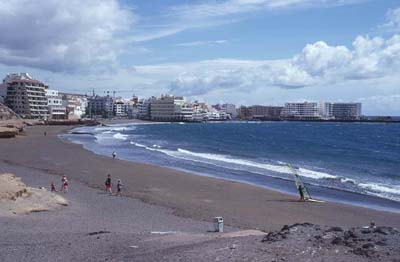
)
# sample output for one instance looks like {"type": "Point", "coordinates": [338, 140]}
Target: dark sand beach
{"type": "Point", "coordinates": [177, 207]}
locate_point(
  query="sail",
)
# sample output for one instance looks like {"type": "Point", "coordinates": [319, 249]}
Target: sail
{"type": "Point", "coordinates": [299, 182]}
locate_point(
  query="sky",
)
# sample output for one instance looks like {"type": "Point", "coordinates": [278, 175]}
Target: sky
{"type": "Point", "coordinates": [244, 52]}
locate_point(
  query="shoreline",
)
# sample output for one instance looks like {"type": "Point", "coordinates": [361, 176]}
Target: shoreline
{"type": "Point", "coordinates": [358, 196]}
{"type": "Point", "coordinates": [273, 183]}
{"type": "Point", "coordinates": [189, 195]}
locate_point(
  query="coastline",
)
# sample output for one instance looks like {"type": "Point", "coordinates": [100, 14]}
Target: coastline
{"type": "Point", "coordinates": [189, 195]}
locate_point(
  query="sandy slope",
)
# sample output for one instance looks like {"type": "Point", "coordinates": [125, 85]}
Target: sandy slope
{"type": "Point", "coordinates": [17, 198]}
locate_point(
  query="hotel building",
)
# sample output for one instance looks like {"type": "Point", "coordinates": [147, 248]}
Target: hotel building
{"type": "Point", "coordinates": [303, 111]}
{"type": "Point", "coordinates": [26, 96]}
{"type": "Point", "coordinates": [171, 108]}
{"type": "Point", "coordinates": [341, 111]}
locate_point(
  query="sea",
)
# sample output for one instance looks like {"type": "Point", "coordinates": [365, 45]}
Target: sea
{"type": "Point", "coordinates": [351, 163]}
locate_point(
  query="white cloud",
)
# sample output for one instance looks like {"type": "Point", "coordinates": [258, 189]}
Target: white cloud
{"type": "Point", "coordinates": [216, 9]}
{"type": "Point", "coordinates": [392, 21]}
{"type": "Point", "coordinates": [62, 35]}
{"type": "Point", "coordinates": [184, 17]}
{"type": "Point", "coordinates": [203, 43]}
{"type": "Point", "coordinates": [317, 64]}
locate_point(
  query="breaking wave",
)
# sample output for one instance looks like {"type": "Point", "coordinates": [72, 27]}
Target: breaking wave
{"type": "Point", "coordinates": [120, 136]}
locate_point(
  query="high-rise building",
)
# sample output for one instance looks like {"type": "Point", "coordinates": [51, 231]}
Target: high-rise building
{"type": "Point", "coordinates": [303, 111]}
{"type": "Point", "coordinates": [340, 111]}
{"type": "Point", "coordinates": [26, 96]}
{"type": "Point", "coordinates": [346, 111]}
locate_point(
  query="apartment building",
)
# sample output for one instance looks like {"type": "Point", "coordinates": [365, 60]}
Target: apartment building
{"type": "Point", "coordinates": [101, 106]}
{"type": "Point", "coordinates": [3, 92]}
{"type": "Point", "coordinates": [26, 96]}
{"type": "Point", "coordinates": [346, 111]}
{"type": "Point", "coordinates": [55, 105]}
{"type": "Point", "coordinates": [171, 108]}
{"type": "Point", "coordinates": [303, 111]}
{"type": "Point", "coordinates": [121, 108]}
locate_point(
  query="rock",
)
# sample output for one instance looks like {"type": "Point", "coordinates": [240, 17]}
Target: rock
{"type": "Point", "coordinates": [366, 231]}
{"type": "Point", "coordinates": [349, 234]}
{"type": "Point", "coordinates": [381, 243]}
{"type": "Point", "coordinates": [334, 229]}
{"type": "Point", "coordinates": [337, 241]}
{"type": "Point", "coordinates": [368, 245]}
{"type": "Point", "coordinates": [285, 228]}
{"type": "Point", "coordinates": [8, 132]}
{"type": "Point", "coordinates": [381, 230]}
{"type": "Point", "coordinates": [363, 252]}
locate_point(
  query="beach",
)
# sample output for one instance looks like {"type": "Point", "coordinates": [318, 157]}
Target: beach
{"type": "Point", "coordinates": [164, 212]}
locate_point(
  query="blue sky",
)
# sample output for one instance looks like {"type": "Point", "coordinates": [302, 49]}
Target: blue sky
{"type": "Point", "coordinates": [238, 51]}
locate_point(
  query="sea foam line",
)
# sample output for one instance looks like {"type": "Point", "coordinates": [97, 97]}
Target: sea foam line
{"type": "Point", "coordinates": [182, 154]}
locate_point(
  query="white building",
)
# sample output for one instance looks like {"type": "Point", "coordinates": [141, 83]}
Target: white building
{"type": "Point", "coordinates": [340, 111]}
{"type": "Point", "coordinates": [55, 105]}
{"type": "Point", "coordinates": [346, 111]}
{"type": "Point", "coordinates": [75, 104]}
{"type": "Point", "coordinates": [306, 111]}
{"type": "Point", "coordinates": [230, 109]}
{"type": "Point", "coordinates": [121, 108]}
{"type": "Point", "coordinates": [171, 108]}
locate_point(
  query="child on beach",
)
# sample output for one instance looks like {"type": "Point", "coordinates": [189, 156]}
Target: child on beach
{"type": "Point", "coordinates": [108, 184]}
{"type": "Point", "coordinates": [62, 183]}
{"type": "Point", "coordinates": [53, 187]}
{"type": "Point", "coordinates": [65, 186]}
{"type": "Point", "coordinates": [114, 154]}
{"type": "Point", "coordinates": [119, 187]}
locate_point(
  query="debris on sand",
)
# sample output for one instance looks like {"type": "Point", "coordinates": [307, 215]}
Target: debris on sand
{"type": "Point", "coordinates": [99, 232]}
{"type": "Point", "coordinates": [368, 242]}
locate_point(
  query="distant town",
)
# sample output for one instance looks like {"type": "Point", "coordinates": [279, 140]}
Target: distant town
{"type": "Point", "coordinates": [33, 99]}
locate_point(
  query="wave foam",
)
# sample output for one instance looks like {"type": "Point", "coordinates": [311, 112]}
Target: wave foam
{"type": "Point", "coordinates": [214, 159]}
{"type": "Point", "coordinates": [381, 188]}
{"type": "Point", "coordinates": [120, 136]}
{"type": "Point", "coordinates": [275, 168]}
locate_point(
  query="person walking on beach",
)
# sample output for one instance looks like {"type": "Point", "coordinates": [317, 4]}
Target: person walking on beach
{"type": "Point", "coordinates": [108, 184]}
{"type": "Point", "coordinates": [62, 183]}
{"type": "Point", "coordinates": [65, 186]}
{"type": "Point", "coordinates": [119, 187]}
{"type": "Point", "coordinates": [300, 188]}
{"type": "Point", "coordinates": [53, 187]}
{"type": "Point", "coordinates": [114, 154]}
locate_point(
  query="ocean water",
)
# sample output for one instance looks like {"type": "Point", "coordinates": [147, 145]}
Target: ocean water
{"type": "Point", "coordinates": [353, 163]}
